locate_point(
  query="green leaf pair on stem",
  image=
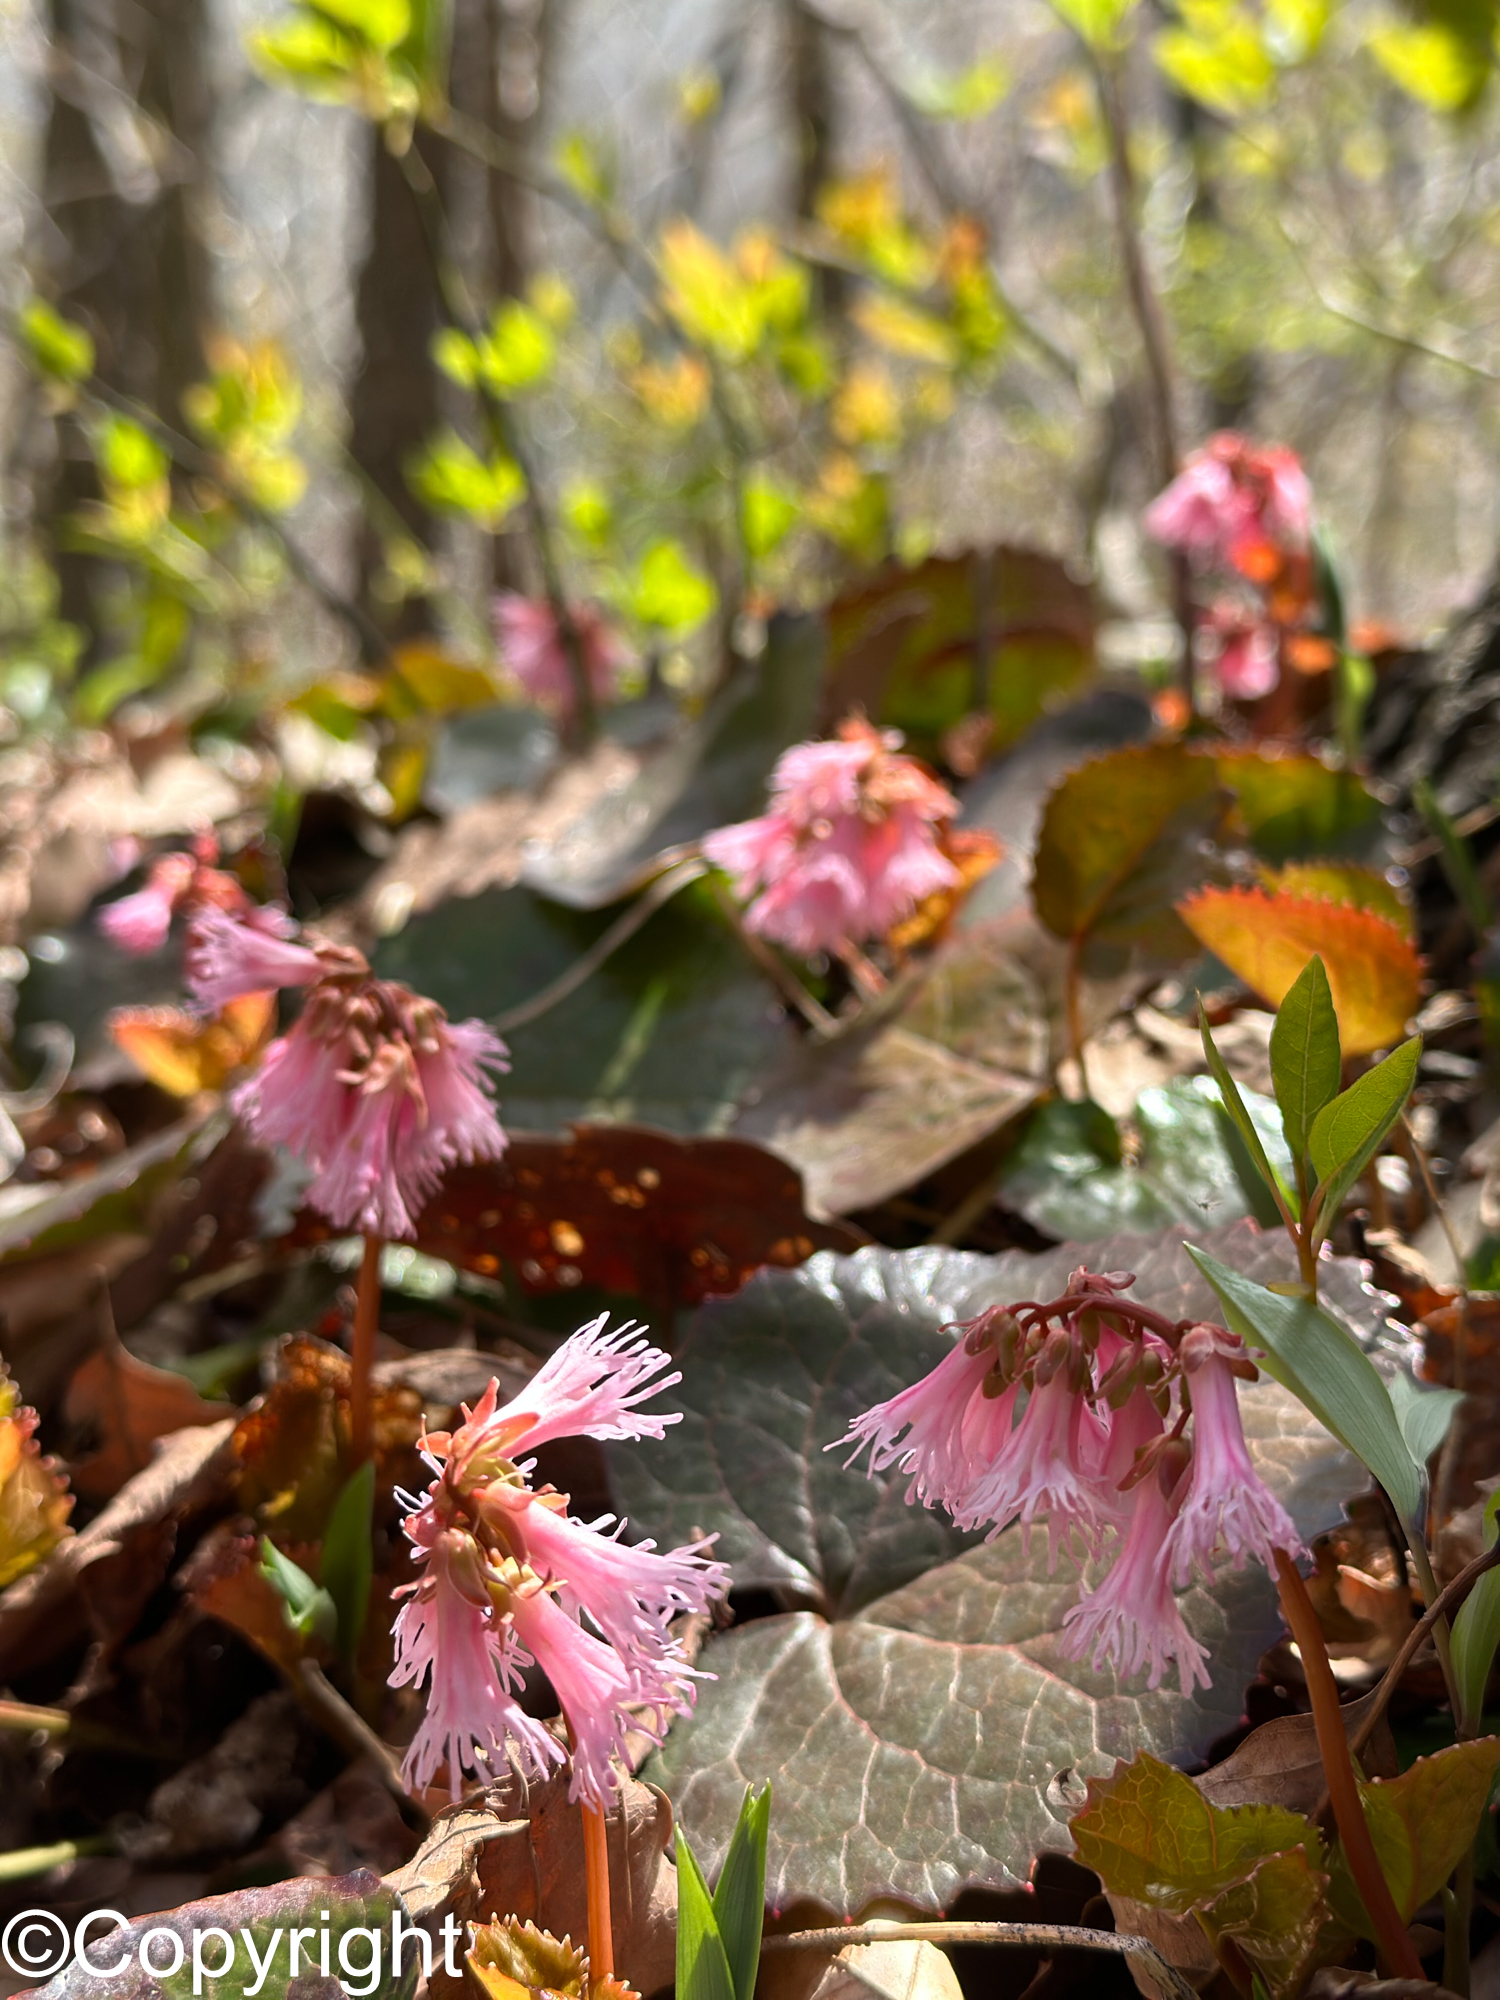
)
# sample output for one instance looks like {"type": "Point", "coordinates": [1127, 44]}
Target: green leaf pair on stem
{"type": "Point", "coordinates": [1271, 1895]}
{"type": "Point", "coordinates": [1332, 1134]}
{"type": "Point", "coordinates": [718, 1935]}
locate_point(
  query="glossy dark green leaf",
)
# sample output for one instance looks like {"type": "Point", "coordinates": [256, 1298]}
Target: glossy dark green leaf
{"type": "Point", "coordinates": [702, 1963]}
{"type": "Point", "coordinates": [1305, 1056]}
{"type": "Point", "coordinates": [1299, 807]}
{"type": "Point", "coordinates": [348, 1559]}
{"type": "Point", "coordinates": [1346, 1133]}
{"type": "Point", "coordinates": [1322, 1364]}
{"type": "Point", "coordinates": [740, 1893]}
{"type": "Point", "coordinates": [880, 1791]}
{"type": "Point", "coordinates": [1069, 1178]}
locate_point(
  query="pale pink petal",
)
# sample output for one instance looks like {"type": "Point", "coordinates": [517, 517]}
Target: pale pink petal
{"type": "Point", "coordinates": [1043, 1471]}
{"type": "Point", "coordinates": [228, 957]}
{"type": "Point", "coordinates": [814, 781]}
{"type": "Point", "coordinates": [473, 1720]}
{"type": "Point", "coordinates": [1247, 665]}
{"type": "Point", "coordinates": [943, 1430]}
{"type": "Point", "coordinates": [1226, 1505]}
{"type": "Point", "coordinates": [138, 923]}
{"type": "Point", "coordinates": [1132, 1620]}
{"type": "Point", "coordinates": [1199, 511]}
{"type": "Point", "coordinates": [752, 851]}
{"type": "Point", "coordinates": [591, 1387]}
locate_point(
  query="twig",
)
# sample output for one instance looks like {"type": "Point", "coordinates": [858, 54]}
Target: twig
{"type": "Point", "coordinates": [786, 982]}
{"type": "Point", "coordinates": [1019, 1937]}
{"type": "Point", "coordinates": [1448, 1598]}
{"type": "Point", "coordinates": [504, 434]}
{"type": "Point", "coordinates": [585, 966]}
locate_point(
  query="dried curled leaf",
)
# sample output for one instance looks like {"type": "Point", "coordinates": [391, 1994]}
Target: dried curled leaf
{"type": "Point", "coordinates": [185, 1054]}
{"type": "Point", "coordinates": [1266, 940]}
{"type": "Point", "coordinates": [34, 1499]}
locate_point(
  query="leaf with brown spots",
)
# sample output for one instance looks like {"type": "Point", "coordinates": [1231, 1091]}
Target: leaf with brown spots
{"type": "Point", "coordinates": [632, 1210]}
{"type": "Point", "coordinates": [128, 1405]}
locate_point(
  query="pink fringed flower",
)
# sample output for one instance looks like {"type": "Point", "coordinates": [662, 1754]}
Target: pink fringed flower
{"type": "Point", "coordinates": [592, 1611]}
{"type": "Point", "coordinates": [849, 847]}
{"type": "Point", "coordinates": [1231, 500]}
{"type": "Point", "coordinates": [1226, 1506]}
{"type": "Point", "coordinates": [532, 646]}
{"type": "Point", "coordinates": [230, 955]}
{"type": "Point", "coordinates": [1128, 1446]}
{"type": "Point", "coordinates": [372, 1086]}
{"type": "Point", "coordinates": [1132, 1621]}
{"type": "Point", "coordinates": [1247, 661]}
{"type": "Point", "coordinates": [177, 884]}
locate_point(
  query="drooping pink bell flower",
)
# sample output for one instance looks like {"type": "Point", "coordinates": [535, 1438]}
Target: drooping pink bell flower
{"type": "Point", "coordinates": [1225, 1507]}
{"type": "Point", "coordinates": [1246, 657]}
{"type": "Point", "coordinates": [177, 884]}
{"type": "Point", "coordinates": [1042, 1471]}
{"type": "Point", "coordinates": [849, 847]}
{"type": "Point", "coordinates": [944, 1430]}
{"type": "Point", "coordinates": [372, 1086]}
{"type": "Point", "coordinates": [1132, 1621]}
{"type": "Point", "coordinates": [230, 954]}
{"type": "Point", "coordinates": [593, 1611]}
{"type": "Point", "coordinates": [1232, 499]}
{"type": "Point", "coordinates": [532, 646]}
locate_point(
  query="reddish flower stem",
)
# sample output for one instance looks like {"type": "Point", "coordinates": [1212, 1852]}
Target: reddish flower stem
{"type": "Point", "coordinates": [1338, 1768]}
{"type": "Point", "coordinates": [366, 1327]}
{"type": "Point", "coordinates": [596, 1871]}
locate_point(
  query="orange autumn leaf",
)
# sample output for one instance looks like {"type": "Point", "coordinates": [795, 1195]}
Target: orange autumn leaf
{"type": "Point", "coordinates": [185, 1054]}
{"type": "Point", "coordinates": [1266, 940]}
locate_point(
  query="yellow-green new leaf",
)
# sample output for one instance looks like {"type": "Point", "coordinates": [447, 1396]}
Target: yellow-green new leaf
{"type": "Point", "coordinates": [1346, 1132]}
{"type": "Point", "coordinates": [1278, 1916]}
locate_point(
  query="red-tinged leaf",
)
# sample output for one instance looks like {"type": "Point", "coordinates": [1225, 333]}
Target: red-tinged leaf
{"type": "Point", "coordinates": [1344, 882]}
{"type": "Point", "coordinates": [904, 646]}
{"type": "Point", "coordinates": [635, 1211]}
{"type": "Point", "coordinates": [1278, 1919]}
{"type": "Point", "coordinates": [1119, 844]}
{"type": "Point", "coordinates": [34, 1499]}
{"type": "Point", "coordinates": [1266, 940]}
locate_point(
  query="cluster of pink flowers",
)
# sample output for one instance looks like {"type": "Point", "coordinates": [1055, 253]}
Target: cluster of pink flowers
{"type": "Point", "coordinates": [510, 1579]}
{"type": "Point", "coordinates": [177, 884]}
{"type": "Point", "coordinates": [372, 1086]}
{"type": "Point", "coordinates": [1128, 1444]}
{"type": "Point", "coordinates": [532, 646]}
{"type": "Point", "coordinates": [1243, 512]}
{"type": "Point", "coordinates": [850, 846]}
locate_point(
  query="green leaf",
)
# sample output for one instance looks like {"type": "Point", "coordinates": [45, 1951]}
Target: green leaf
{"type": "Point", "coordinates": [702, 1963]}
{"type": "Point", "coordinates": [57, 346]}
{"type": "Point", "coordinates": [1067, 1175]}
{"type": "Point", "coordinates": [1305, 1056]}
{"type": "Point", "coordinates": [1118, 846]}
{"type": "Point", "coordinates": [1424, 1415]}
{"type": "Point", "coordinates": [834, 1701]}
{"type": "Point", "coordinates": [348, 1559]}
{"type": "Point", "coordinates": [1235, 1110]}
{"type": "Point", "coordinates": [969, 94]}
{"type": "Point", "coordinates": [1437, 64]}
{"type": "Point", "coordinates": [128, 455]}
{"type": "Point", "coordinates": [1298, 807]}
{"type": "Point", "coordinates": [1422, 1823]}
{"type": "Point", "coordinates": [768, 511]}
{"type": "Point", "coordinates": [1346, 1132]}
{"type": "Point", "coordinates": [519, 350]}
{"type": "Point", "coordinates": [309, 1608]}
{"type": "Point", "coordinates": [1476, 1628]}
{"type": "Point", "coordinates": [670, 591]}
{"type": "Point", "coordinates": [307, 52]}
{"type": "Point", "coordinates": [1321, 1364]}
{"type": "Point", "coordinates": [381, 23]}
{"type": "Point", "coordinates": [740, 1895]}
{"type": "Point", "coordinates": [1150, 1834]}
{"type": "Point", "coordinates": [1278, 1917]}
{"type": "Point", "coordinates": [450, 476]}
{"type": "Point", "coordinates": [1100, 23]}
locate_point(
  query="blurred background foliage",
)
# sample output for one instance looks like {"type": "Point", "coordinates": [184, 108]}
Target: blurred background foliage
{"type": "Point", "coordinates": [329, 317]}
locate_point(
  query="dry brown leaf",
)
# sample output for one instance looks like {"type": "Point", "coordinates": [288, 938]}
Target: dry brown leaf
{"type": "Point", "coordinates": [128, 1405]}
{"type": "Point", "coordinates": [1278, 1763]}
